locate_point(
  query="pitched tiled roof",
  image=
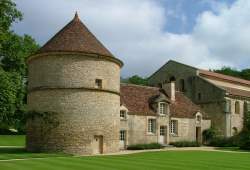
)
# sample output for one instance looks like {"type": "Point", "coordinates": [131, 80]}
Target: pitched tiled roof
{"type": "Point", "coordinates": [236, 92]}
{"type": "Point", "coordinates": [137, 100]}
{"type": "Point", "coordinates": [183, 107]}
{"type": "Point", "coordinates": [231, 79]}
{"type": "Point", "coordinates": [75, 37]}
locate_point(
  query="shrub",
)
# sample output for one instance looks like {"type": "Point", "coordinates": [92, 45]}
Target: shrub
{"type": "Point", "coordinates": [185, 144]}
{"type": "Point", "coordinates": [245, 140]}
{"type": "Point", "coordinates": [145, 146]}
{"type": "Point", "coordinates": [225, 142]}
{"type": "Point", "coordinates": [208, 135]}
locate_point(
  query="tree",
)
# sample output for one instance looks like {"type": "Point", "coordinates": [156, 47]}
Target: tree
{"type": "Point", "coordinates": [244, 74]}
{"type": "Point", "coordinates": [136, 80]}
{"type": "Point", "coordinates": [14, 50]}
{"type": "Point", "coordinates": [8, 96]}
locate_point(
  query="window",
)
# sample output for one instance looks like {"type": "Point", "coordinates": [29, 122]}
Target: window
{"type": "Point", "coordinates": [151, 125]}
{"type": "Point", "coordinates": [162, 108]}
{"type": "Point", "coordinates": [98, 83]}
{"type": "Point", "coordinates": [198, 119]}
{"type": "Point", "coordinates": [122, 135]}
{"type": "Point", "coordinates": [237, 107]}
{"type": "Point", "coordinates": [123, 114]}
{"type": "Point", "coordinates": [162, 130]}
{"type": "Point", "coordinates": [172, 79]}
{"type": "Point", "coordinates": [228, 106]}
{"type": "Point", "coordinates": [199, 96]}
{"type": "Point", "coordinates": [182, 85]}
{"type": "Point", "coordinates": [174, 127]}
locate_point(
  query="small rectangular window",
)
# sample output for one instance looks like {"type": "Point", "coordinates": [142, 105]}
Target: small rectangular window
{"type": "Point", "coordinates": [199, 96]}
{"type": "Point", "coordinates": [162, 108]}
{"type": "Point", "coordinates": [122, 135]}
{"type": "Point", "coordinates": [123, 114]}
{"type": "Point", "coordinates": [174, 127]}
{"type": "Point", "coordinates": [151, 125]}
{"type": "Point", "coordinates": [98, 83]}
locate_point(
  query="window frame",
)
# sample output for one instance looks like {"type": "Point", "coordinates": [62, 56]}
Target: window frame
{"type": "Point", "coordinates": [125, 115]}
{"type": "Point", "coordinates": [98, 83]}
{"type": "Point", "coordinates": [174, 127]}
{"type": "Point", "coordinates": [237, 107]}
{"type": "Point", "coordinates": [151, 126]}
{"type": "Point", "coordinates": [164, 108]}
{"type": "Point", "coordinates": [122, 136]}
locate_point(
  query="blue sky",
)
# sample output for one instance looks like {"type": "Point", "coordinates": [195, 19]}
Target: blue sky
{"type": "Point", "coordinates": [186, 12]}
{"type": "Point", "coordinates": [145, 34]}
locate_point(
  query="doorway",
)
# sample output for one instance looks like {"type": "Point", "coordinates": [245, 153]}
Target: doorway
{"type": "Point", "coordinates": [198, 135]}
{"type": "Point", "coordinates": [122, 139]}
{"type": "Point", "coordinates": [163, 133]}
{"type": "Point", "coordinates": [98, 144]}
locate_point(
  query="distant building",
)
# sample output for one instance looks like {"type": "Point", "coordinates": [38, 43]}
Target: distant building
{"type": "Point", "coordinates": [223, 98]}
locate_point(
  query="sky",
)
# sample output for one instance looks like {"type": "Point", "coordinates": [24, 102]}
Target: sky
{"type": "Point", "coordinates": [145, 34]}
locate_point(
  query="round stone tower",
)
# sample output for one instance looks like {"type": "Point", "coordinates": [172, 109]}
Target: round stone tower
{"type": "Point", "coordinates": [73, 94]}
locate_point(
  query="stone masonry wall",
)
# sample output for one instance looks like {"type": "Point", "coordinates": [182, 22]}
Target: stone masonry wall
{"type": "Point", "coordinates": [66, 85]}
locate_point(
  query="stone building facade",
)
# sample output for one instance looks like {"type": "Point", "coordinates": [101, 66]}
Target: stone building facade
{"type": "Point", "coordinates": [78, 105]}
{"type": "Point", "coordinates": [223, 98]}
{"type": "Point", "coordinates": [159, 115]}
{"type": "Point", "coordinates": [75, 77]}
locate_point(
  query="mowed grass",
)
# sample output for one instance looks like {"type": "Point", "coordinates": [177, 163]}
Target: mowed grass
{"type": "Point", "coordinates": [12, 140]}
{"type": "Point", "coordinates": [170, 160]}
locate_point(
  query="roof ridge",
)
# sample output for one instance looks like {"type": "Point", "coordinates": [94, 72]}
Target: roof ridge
{"type": "Point", "coordinates": [136, 85]}
{"type": "Point", "coordinates": [232, 78]}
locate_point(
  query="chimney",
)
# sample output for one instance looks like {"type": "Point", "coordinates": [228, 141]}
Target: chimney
{"type": "Point", "coordinates": [169, 88]}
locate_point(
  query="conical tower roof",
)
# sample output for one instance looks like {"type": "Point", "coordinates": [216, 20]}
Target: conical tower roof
{"type": "Point", "coordinates": [75, 37]}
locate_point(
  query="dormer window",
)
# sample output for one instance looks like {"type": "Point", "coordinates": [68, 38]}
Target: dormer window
{"type": "Point", "coordinates": [98, 83]}
{"type": "Point", "coordinates": [162, 108]}
{"type": "Point", "coordinates": [123, 115]}
{"type": "Point", "coordinates": [198, 119]}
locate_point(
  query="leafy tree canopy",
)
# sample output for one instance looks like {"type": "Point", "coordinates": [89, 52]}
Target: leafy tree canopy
{"type": "Point", "coordinates": [244, 74]}
{"type": "Point", "coordinates": [14, 50]}
{"type": "Point", "coordinates": [136, 80]}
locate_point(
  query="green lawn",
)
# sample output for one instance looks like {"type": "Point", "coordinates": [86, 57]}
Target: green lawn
{"type": "Point", "coordinates": [12, 140]}
{"type": "Point", "coordinates": [170, 160]}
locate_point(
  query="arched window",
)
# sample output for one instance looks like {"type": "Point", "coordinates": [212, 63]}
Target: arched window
{"type": "Point", "coordinates": [182, 85]}
{"type": "Point", "coordinates": [172, 78]}
{"type": "Point", "coordinates": [199, 96]}
{"type": "Point", "coordinates": [237, 107]}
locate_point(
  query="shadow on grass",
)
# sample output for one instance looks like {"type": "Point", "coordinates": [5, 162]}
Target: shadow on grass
{"type": "Point", "coordinates": [237, 149]}
{"type": "Point", "coordinates": [7, 153]}
{"type": "Point", "coordinates": [13, 150]}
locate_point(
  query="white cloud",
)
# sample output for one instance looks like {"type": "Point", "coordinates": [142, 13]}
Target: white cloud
{"type": "Point", "coordinates": [134, 31]}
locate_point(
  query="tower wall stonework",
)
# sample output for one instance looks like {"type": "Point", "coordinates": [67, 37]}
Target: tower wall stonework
{"type": "Point", "coordinates": [65, 84]}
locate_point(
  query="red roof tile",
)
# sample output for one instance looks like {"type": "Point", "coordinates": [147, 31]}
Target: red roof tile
{"type": "Point", "coordinates": [236, 92]}
{"type": "Point", "coordinates": [137, 99]}
{"type": "Point", "coordinates": [231, 79]}
{"type": "Point", "coordinates": [75, 37]}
